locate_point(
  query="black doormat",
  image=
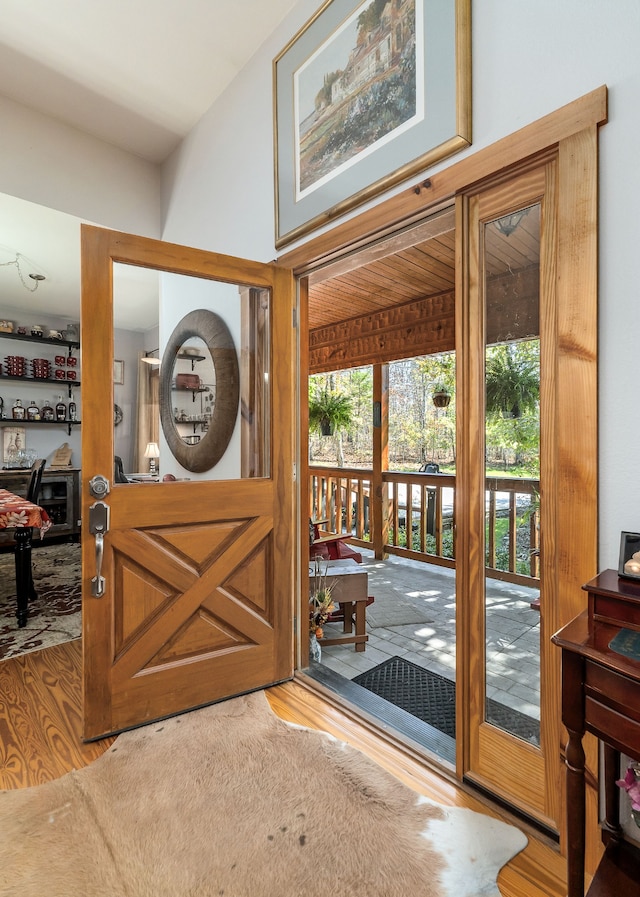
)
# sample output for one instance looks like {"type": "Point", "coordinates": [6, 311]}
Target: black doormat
{"type": "Point", "coordinates": [432, 698]}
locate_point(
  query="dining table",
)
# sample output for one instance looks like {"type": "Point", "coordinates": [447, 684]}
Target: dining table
{"type": "Point", "coordinates": [22, 516]}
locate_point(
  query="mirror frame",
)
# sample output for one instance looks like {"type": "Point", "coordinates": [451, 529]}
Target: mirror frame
{"type": "Point", "coordinates": [209, 327]}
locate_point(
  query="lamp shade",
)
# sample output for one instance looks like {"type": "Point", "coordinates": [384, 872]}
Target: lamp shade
{"type": "Point", "coordinates": [152, 450]}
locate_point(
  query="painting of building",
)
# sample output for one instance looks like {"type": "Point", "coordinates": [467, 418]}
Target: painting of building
{"type": "Point", "coordinates": [368, 98]}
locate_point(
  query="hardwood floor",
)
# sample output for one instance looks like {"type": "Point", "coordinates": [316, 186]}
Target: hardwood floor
{"type": "Point", "coordinates": [40, 740]}
{"type": "Point", "coordinates": [40, 717]}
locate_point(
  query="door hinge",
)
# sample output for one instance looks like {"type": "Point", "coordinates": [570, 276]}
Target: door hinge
{"type": "Point", "coordinates": [295, 472]}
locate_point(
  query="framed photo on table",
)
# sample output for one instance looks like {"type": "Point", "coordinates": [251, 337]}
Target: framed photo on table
{"type": "Point", "coordinates": [366, 95]}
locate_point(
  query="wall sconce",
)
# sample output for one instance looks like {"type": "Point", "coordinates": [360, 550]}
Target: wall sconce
{"type": "Point", "coordinates": [152, 452]}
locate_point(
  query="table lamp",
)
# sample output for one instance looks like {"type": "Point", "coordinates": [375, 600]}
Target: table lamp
{"type": "Point", "coordinates": [152, 452]}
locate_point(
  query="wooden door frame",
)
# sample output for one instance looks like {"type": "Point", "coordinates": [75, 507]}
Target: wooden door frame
{"type": "Point", "coordinates": [569, 134]}
{"type": "Point", "coordinates": [481, 742]}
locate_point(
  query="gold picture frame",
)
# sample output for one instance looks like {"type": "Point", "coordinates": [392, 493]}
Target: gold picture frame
{"type": "Point", "coordinates": [366, 95]}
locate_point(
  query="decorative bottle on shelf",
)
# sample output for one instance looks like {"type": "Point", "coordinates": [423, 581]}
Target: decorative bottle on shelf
{"type": "Point", "coordinates": [73, 414]}
{"type": "Point", "coordinates": [61, 409]}
{"type": "Point", "coordinates": [33, 412]}
{"type": "Point", "coordinates": [17, 412]}
{"type": "Point", "coordinates": [47, 412]}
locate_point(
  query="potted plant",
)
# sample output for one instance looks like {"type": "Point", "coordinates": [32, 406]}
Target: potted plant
{"type": "Point", "coordinates": [320, 606]}
{"type": "Point", "coordinates": [329, 411]}
{"type": "Point", "coordinates": [441, 395]}
{"type": "Point", "coordinates": [512, 382]}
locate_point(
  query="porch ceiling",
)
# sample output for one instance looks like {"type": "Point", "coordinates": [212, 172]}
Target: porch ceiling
{"type": "Point", "coordinates": [418, 263]}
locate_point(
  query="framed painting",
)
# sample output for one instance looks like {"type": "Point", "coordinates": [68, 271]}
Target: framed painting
{"type": "Point", "coordinates": [13, 442]}
{"type": "Point", "coordinates": [118, 372]}
{"type": "Point", "coordinates": [366, 95]}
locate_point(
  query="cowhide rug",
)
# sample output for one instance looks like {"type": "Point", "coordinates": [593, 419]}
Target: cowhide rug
{"type": "Point", "coordinates": [230, 800]}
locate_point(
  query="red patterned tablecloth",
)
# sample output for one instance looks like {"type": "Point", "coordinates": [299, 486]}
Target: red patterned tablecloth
{"type": "Point", "coordinates": [18, 512]}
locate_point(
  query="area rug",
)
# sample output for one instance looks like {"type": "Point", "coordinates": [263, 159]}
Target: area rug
{"type": "Point", "coordinates": [55, 615]}
{"type": "Point", "coordinates": [432, 698]}
{"type": "Point", "coordinates": [230, 800]}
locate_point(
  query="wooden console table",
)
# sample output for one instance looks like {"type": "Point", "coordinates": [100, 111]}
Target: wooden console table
{"type": "Point", "coordinates": [601, 695]}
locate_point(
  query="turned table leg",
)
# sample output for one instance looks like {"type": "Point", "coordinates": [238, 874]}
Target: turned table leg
{"type": "Point", "coordinates": [24, 579]}
{"type": "Point", "coordinates": [576, 814]}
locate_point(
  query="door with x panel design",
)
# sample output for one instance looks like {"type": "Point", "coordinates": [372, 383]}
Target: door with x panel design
{"type": "Point", "coordinates": [188, 567]}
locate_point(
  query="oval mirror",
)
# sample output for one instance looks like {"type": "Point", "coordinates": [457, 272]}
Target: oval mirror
{"type": "Point", "coordinates": [199, 390]}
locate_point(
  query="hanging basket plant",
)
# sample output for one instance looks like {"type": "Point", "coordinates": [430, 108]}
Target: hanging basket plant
{"type": "Point", "coordinates": [329, 411]}
{"type": "Point", "coordinates": [441, 398]}
{"type": "Point", "coordinates": [512, 382]}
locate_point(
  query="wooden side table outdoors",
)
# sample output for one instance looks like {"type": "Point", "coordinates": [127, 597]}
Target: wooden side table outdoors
{"type": "Point", "coordinates": [349, 586]}
{"type": "Point", "coordinates": [601, 695]}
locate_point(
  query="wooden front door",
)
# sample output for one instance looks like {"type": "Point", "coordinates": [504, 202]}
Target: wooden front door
{"type": "Point", "coordinates": [197, 572]}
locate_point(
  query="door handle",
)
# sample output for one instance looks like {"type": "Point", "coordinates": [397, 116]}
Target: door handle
{"type": "Point", "coordinates": [98, 526]}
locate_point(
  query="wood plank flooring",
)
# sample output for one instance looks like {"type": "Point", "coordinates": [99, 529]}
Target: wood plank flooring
{"type": "Point", "coordinates": [40, 740]}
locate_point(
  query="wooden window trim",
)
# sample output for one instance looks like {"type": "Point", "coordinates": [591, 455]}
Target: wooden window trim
{"type": "Point", "coordinates": [437, 191]}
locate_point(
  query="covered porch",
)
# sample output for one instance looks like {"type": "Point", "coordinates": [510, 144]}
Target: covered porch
{"type": "Point", "coordinates": [413, 617]}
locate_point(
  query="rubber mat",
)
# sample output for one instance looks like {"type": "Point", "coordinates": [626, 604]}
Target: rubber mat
{"type": "Point", "coordinates": [432, 698]}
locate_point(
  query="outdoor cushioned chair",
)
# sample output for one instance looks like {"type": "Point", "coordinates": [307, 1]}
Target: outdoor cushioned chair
{"type": "Point", "coordinates": [330, 546]}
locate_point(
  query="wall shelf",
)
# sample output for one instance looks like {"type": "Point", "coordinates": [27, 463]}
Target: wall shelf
{"type": "Point", "coordinates": [44, 381]}
{"type": "Point", "coordinates": [68, 424]}
{"type": "Point", "coordinates": [49, 341]}
{"type": "Point", "coordinates": [63, 386]}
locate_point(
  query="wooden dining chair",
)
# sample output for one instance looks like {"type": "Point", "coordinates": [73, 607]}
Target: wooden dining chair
{"type": "Point", "coordinates": [35, 480]}
{"type": "Point", "coordinates": [33, 494]}
{"type": "Point", "coordinates": [119, 475]}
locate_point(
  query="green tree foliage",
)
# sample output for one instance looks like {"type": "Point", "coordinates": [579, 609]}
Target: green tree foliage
{"type": "Point", "coordinates": [323, 97]}
{"type": "Point", "coordinates": [370, 18]}
{"type": "Point", "coordinates": [418, 431]}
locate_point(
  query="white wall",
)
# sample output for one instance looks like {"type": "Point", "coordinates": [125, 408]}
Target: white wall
{"type": "Point", "coordinates": [54, 165]}
{"type": "Point", "coordinates": [528, 59]}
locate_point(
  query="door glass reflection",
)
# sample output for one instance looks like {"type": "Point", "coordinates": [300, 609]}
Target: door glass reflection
{"type": "Point", "coordinates": [512, 473]}
{"type": "Point", "coordinates": [148, 307]}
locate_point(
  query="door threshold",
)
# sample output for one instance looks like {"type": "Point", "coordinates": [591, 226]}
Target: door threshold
{"type": "Point", "coordinates": [426, 736]}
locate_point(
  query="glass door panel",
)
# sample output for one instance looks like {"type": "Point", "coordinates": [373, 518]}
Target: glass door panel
{"type": "Point", "coordinates": [192, 397]}
{"type": "Point", "coordinates": [512, 473]}
{"type": "Point", "coordinates": [508, 336]}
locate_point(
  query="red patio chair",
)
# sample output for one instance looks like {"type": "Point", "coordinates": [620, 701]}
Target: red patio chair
{"type": "Point", "coordinates": [330, 546]}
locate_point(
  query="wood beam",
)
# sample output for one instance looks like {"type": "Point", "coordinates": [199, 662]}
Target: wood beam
{"type": "Point", "coordinates": [420, 327]}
